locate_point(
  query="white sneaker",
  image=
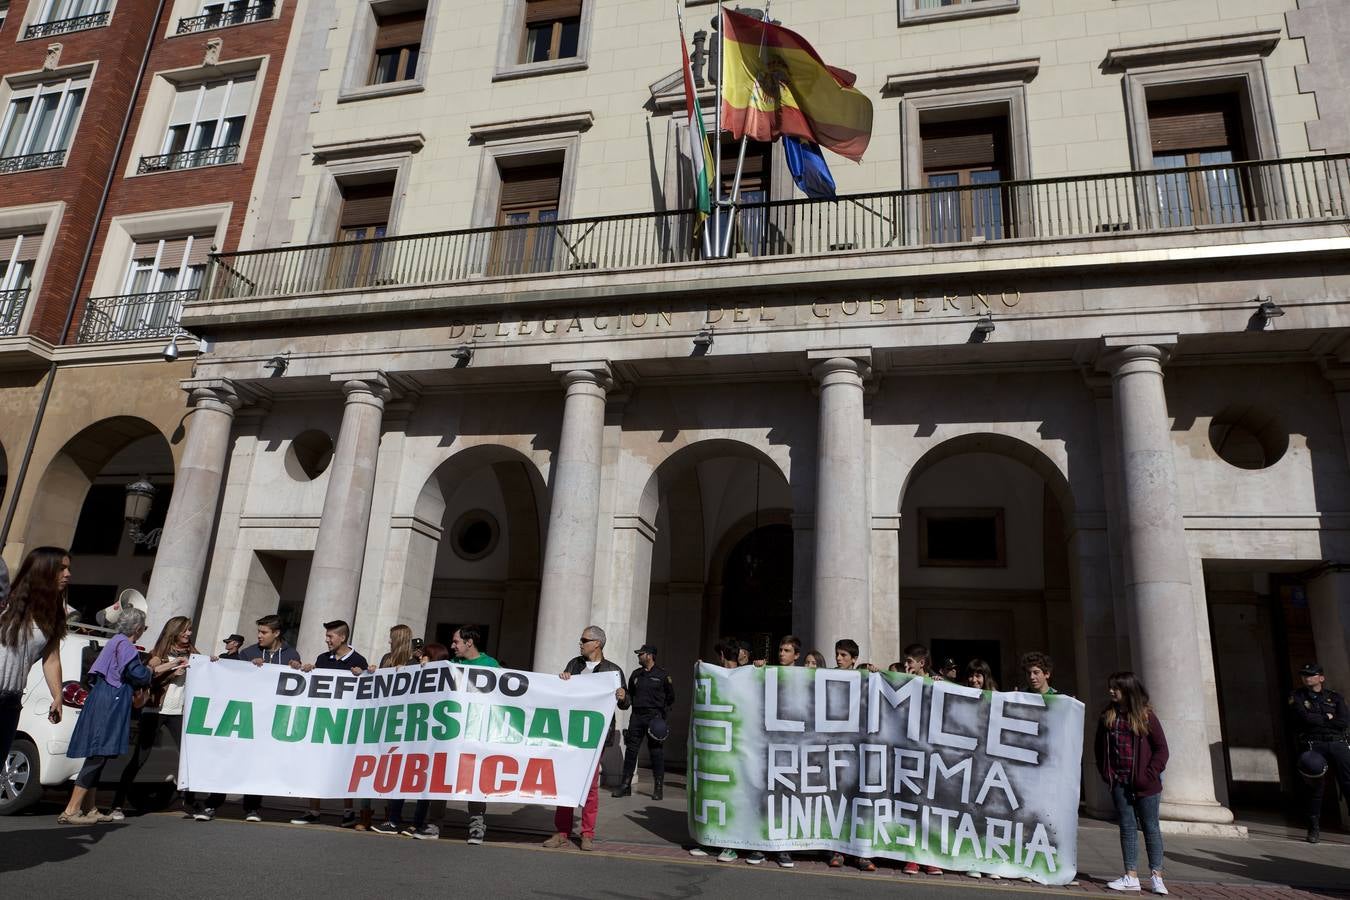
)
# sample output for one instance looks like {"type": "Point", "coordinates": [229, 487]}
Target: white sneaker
{"type": "Point", "coordinates": [1125, 883]}
{"type": "Point", "coordinates": [1158, 886]}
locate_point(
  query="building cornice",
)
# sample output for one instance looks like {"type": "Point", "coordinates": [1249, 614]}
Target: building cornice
{"type": "Point", "coordinates": [1228, 46]}
{"type": "Point", "coordinates": [1002, 72]}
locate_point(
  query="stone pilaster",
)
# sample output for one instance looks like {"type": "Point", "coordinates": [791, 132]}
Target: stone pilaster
{"type": "Point", "coordinates": [568, 577]}
{"type": "Point", "coordinates": [1162, 613]}
{"type": "Point", "coordinates": [335, 575]}
{"type": "Point", "coordinates": [841, 605]}
{"type": "Point", "coordinates": [185, 541]}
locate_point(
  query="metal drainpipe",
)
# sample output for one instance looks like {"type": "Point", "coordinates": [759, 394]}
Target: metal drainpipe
{"type": "Point", "coordinates": [13, 505]}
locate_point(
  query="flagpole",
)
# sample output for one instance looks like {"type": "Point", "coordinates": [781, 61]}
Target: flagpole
{"type": "Point", "coordinates": [725, 247]}
{"type": "Point", "coordinates": [717, 134]}
{"type": "Point", "coordinates": [694, 152]}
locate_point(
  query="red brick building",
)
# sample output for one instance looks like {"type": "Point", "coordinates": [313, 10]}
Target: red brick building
{"type": "Point", "coordinates": [130, 138]}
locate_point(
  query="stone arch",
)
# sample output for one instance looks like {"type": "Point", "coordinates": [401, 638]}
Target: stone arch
{"type": "Point", "coordinates": [417, 546]}
{"type": "Point", "coordinates": [1002, 445]}
{"type": "Point", "coordinates": [690, 455]}
{"type": "Point", "coordinates": [61, 491]}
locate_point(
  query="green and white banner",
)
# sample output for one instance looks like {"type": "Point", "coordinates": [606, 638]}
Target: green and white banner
{"type": "Point", "coordinates": [441, 731]}
{"type": "Point", "coordinates": [886, 765]}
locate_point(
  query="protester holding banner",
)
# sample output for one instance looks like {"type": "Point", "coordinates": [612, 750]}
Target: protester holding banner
{"type": "Point", "coordinates": [32, 624]}
{"type": "Point", "coordinates": [980, 675]}
{"type": "Point", "coordinates": [591, 659]}
{"type": "Point", "coordinates": [270, 650]}
{"type": "Point", "coordinates": [400, 654]}
{"type": "Point", "coordinates": [815, 660]}
{"type": "Point", "coordinates": [464, 644]}
{"type": "Point", "coordinates": [789, 650]}
{"type": "Point", "coordinates": [1131, 754]}
{"type": "Point", "coordinates": [1037, 669]}
{"type": "Point", "coordinates": [340, 656]}
{"type": "Point", "coordinates": [102, 730]}
{"type": "Point", "coordinates": [729, 654]}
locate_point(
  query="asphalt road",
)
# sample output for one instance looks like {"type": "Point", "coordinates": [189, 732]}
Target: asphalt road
{"type": "Point", "coordinates": [164, 855]}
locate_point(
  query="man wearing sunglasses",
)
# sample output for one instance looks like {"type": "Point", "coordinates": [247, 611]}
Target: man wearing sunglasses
{"type": "Point", "coordinates": [591, 659]}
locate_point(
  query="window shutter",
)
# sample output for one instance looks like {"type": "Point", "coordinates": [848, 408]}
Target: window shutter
{"type": "Point", "coordinates": [551, 10]}
{"type": "Point", "coordinates": [401, 29]}
{"type": "Point", "coordinates": [145, 251]}
{"type": "Point", "coordinates": [200, 249]}
{"type": "Point", "coordinates": [959, 145]}
{"type": "Point", "coordinates": [531, 186]}
{"type": "Point", "coordinates": [366, 204]}
{"type": "Point", "coordinates": [184, 102]}
{"type": "Point", "coordinates": [1194, 123]}
{"type": "Point", "coordinates": [172, 256]}
{"type": "Point", "coordinates": [241, 98]}
{"type": "Point", "coordinates": [213, 102]}
{"type": "Point", "coordinates": [28, 247]}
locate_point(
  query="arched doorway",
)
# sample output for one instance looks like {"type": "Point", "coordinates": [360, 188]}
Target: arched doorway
{"type": "Point", "coordinates": [488, 503]}
{"type": "Point", "coordinates": [721, 561]}
{"type": "Point", "coordinates": [757, 588]}
{"type": "Point", "coordinates": [985, 557]}
{"type": "Point", "coordinates": [81, 501]}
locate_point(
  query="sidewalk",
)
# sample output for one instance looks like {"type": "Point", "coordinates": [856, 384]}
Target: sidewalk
{"type": "Point", "coordinates": [1267, 864]}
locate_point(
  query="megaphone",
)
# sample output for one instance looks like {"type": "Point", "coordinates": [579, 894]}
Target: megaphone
{"type": "Point", "coordinates": [128, 599]}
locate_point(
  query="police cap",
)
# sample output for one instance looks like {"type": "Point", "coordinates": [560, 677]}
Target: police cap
{"type": "Point", "coordinates": [1309, 670]}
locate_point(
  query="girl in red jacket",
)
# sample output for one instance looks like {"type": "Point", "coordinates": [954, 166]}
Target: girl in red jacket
{"type": "Point", "coordinates": [1131, 756]}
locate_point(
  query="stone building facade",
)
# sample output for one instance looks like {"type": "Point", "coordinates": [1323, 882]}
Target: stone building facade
{"type": "Point", "coordinates": [1062, 369]}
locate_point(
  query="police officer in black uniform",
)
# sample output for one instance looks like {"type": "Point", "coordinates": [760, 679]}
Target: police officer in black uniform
{"type": "Point", "coordinates": [1322, 723]}
{"type": "Point", "coordinates": [652, 694]}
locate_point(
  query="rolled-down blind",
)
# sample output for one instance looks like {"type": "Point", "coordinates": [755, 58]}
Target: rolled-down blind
{"type": "Point", "coordinates": [965, 144]}
{"type": "Point", "coordinates": [200, 249]}
{"type": "Point", "coordinates": [367, 204]}
{"type": "Point", "coordinates": [27, 243]}
{"type": "Point", "coordinates": [401, 29]}
{"type": "Point", "coordinates": [551, 10]}
{"type": "Point", "coordinates": [1194, 123]}
{"type": "Point", "coordinates": [531, 186]}
{"type": "Point", "coordinates": [174, 248]}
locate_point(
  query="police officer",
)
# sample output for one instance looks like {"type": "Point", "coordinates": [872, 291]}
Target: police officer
{"type": "Point", "coordinates": [1322, 723]}
{"type": "Point", "coordinates": [652, 694]}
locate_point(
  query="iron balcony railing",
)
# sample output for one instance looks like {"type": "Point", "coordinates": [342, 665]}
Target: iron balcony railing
{"type": "Point", "coordinates": [12, 303]}
{"type": "Point", "coordinates": [29, 161]}
{"type": "Point", "coordinates": [65, 26]}
{"type": "Point", "coordinates": [133, 317]}
{"type": "Point", "coordinates": [189, 159]}
{"type": "Point", "coordinates": [224, 18]}
{"type": "Point", "coordinates": [1315, 188]}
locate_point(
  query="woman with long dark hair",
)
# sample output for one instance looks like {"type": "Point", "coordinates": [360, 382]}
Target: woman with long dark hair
{"type": "Point", "coordinates": [32, 624]}
{"type": "Point", "coordinates": [1131, 755]}
{"type": "Point", "coordinates": [102, 731]}
{"type": "Point", "coordinates": [980, 675]}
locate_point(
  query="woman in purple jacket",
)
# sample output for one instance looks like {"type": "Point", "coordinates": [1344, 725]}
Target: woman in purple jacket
{"type": "Point", "coordinates": [1131, 756]}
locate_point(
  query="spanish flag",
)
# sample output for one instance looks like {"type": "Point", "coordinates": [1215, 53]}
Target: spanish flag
{"type": "Point", "coordinates": [773, 83]}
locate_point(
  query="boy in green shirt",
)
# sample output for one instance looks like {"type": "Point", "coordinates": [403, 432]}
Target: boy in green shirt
{"type": "Point", "coordinates": [464, 646]}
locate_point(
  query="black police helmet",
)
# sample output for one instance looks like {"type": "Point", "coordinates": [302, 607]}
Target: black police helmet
{"type": "Point", "coordinates": [658, 730]}
{"type": "Point", "coordinates": [1312, 765]}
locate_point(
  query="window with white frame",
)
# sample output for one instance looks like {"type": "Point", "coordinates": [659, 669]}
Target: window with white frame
{"type": "Point", "coordinates": [60, 16]}
{"type": "Point", "coordinates": [206, 125]}
{"type": "Point", "coordinates": [223, 13]}
{"type": "Point", "coordinates": [18, 254]}
{"type": "Point", "coordinates": [39, 123]}
{"type": "Point", "coordinates": [161, 273]}
{"type": "Point", "coordinates": [168, 264]}
{"type": "Point", "coordinates": [930, 10]}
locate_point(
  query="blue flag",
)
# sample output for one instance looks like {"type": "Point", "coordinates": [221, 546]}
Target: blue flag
{"type": "Point", "coordinates": [808, 168]}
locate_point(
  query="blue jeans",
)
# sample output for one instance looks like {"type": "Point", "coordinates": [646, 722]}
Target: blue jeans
{"type": "Point", "coordinates": [1134, 813]}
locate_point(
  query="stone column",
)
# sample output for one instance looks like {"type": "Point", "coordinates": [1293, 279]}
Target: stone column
{"type": "Point", "coordinates": [335, 574]}
{"type": "Point", "coordinates": [1158, 588]}
{"type": "Point", "coordinates": [841, 606]}
{"type": "Point", "coordinates": [568, 576]}
{"type": "Point", "coordinates": [1329, 607]}
{"type": "Point", "coordinates": [180, 562]}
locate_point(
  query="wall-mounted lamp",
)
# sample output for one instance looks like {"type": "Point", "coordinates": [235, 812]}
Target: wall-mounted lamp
{"type": "Point", "coordinates": [463, 354]}
{"type": "Point", "coordinates": [278, 365]}
{"type": "Point", "coordinates": [703, 342]}
{"type": "Point", "coordinates": [983, 328]}
{"type": "Point", "coordinates": [170, 351]}
{"type": "Point", "coordinates": [140, 497]}
{"type": "Point", "coordinates": [1269, 309]}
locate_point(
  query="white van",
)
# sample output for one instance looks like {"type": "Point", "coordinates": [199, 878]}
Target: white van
{"type": "Point", "coordinates": [38, 760]}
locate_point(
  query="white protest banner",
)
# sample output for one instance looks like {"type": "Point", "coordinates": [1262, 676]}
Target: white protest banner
{"type": "Point", "coordinates": [886, 765]}
{"type": "Point", "coordinates": [443, 731]}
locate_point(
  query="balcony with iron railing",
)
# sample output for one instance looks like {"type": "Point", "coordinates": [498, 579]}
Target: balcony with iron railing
{"type": "Point", "coordinates": [133, 317]}
{"type": "Point", "coordinates": [29, 161]}
{"type": "Point", "coordinates": [189, 159]}
{"type": "Point", "coordinates": [12, 304]}
{"type": "Point", "coordinates": [66, 26]}
{"type": "Point", "coordinates": [224, 18]}
{"type": "Point", "coordinates": [1237, 195]}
